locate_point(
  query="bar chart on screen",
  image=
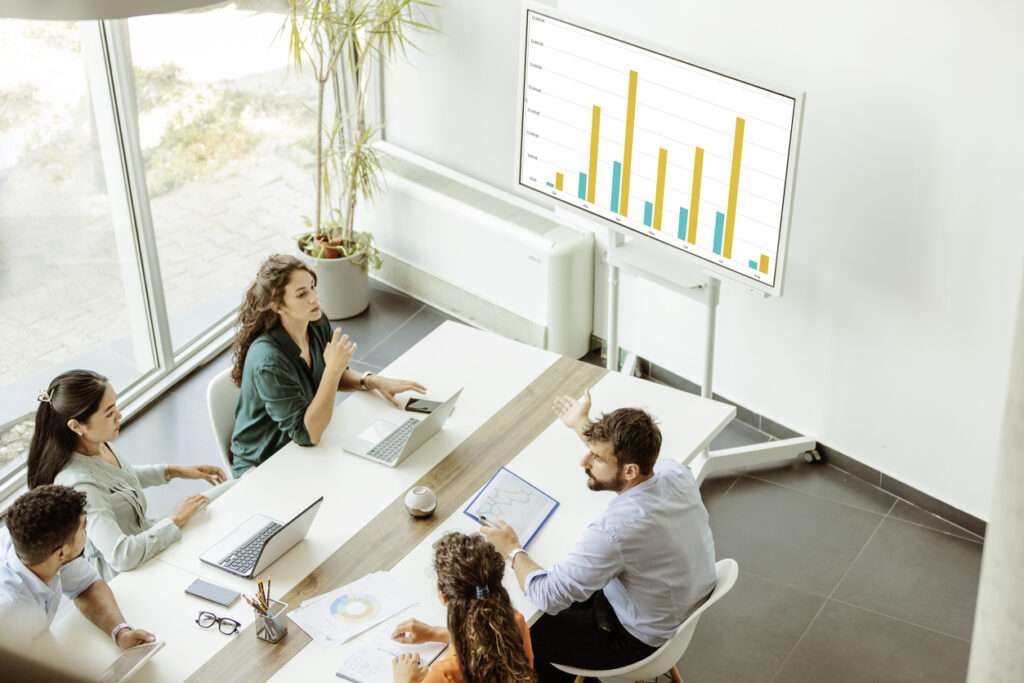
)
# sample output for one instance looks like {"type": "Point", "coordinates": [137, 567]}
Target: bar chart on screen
{"type": "Point", "coordinates": [681, 154]}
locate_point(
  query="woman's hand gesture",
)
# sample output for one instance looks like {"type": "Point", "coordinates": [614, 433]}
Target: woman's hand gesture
{"type": "Point", "coordinates": [338, 352]}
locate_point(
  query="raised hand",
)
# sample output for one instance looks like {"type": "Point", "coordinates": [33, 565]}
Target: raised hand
{"type": "Point", "coordinates": [574, 413]}
{"type": "Point", "coordinates": [338, 352]}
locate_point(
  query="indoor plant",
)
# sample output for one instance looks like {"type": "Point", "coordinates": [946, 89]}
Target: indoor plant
{"type": "Point", "coordinates": [341, 41]}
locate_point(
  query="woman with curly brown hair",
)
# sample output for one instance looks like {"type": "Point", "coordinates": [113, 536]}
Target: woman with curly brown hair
{"type": "Point", "coordinates": [289, 365]}
{"type": "Point", "coordinates": [490, 639]}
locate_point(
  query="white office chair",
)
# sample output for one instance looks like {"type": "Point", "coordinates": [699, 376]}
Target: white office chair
{"type": "Point", "coordinates": [663, 660]}
{"type": "Point", "coordinates": [221, 399]}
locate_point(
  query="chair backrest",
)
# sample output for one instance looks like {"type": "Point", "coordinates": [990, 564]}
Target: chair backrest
{"type": "Point", "coordinates": [666, 656]}
{"type": "Point", "coordinates": [221, 399]}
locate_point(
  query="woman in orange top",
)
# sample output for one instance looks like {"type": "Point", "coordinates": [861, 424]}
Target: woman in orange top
{"type": "Point", "coordinates": [490, 641]}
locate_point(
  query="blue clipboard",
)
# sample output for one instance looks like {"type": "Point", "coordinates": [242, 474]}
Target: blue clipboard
{"type": "Point", "coordinates": [483, 488]}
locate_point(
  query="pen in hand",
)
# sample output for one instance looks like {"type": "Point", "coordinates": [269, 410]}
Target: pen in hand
{"type": "Point", "coordinates": [485, 521]}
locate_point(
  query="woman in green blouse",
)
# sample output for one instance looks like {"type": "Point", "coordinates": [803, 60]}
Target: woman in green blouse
{"type": "Point", "coordinates": [289, 365]}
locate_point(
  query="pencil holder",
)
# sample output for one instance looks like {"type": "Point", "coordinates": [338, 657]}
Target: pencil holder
{"type": "Point", "coordinates": [272, 627]}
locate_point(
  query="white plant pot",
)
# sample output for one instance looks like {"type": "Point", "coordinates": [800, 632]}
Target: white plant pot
{"type": "Point", "coordinates": [343, 286]}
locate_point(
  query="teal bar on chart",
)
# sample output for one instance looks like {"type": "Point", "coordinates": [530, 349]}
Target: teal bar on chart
{"type": "Point", "coordinates": [752, 264]}
{"type": "Point", "coordinates": [616, 177]}
{"type": "Point", "coordinates": [719, 231]}
{"type": "Point", "coordinates": [648, 212]}
{"type": "Point", "coordinates": [549, 184]}
{"type": "Point", "coordinates": [583, 186]}
{"type": "Point", "coordinates": [684, 218]}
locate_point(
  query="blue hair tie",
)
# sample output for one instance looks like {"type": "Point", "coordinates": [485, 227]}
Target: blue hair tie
{"type": "Point", "coordinates": [482, 592]}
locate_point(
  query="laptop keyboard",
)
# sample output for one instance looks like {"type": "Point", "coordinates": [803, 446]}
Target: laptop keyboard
{"type": "Point", "coordinates": [244, 557]}
{"type": "Point", "coordinates": [388, 450]}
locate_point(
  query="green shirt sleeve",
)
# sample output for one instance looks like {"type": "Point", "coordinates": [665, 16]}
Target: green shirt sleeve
{"type": "Point", "coordinates": [285, 403]}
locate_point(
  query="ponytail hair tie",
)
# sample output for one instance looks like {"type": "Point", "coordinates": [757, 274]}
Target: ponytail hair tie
{"type": "Point", "coordinates": [45, 396]}
{"type": "Point", "coordinates": [482, 592]}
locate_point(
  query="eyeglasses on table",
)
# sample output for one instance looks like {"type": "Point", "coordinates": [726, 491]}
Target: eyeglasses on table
{"type": "Point", "coordinates": [225, 625]}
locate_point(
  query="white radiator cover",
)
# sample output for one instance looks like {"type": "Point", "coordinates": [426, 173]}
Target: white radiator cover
{"type": "Point", "coordinates": [485, 255]}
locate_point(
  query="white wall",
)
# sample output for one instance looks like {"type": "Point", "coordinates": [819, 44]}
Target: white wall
{"type": "Point", "coordinates": [892, 341]}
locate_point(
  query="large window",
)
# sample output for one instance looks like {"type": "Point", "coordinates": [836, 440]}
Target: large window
{"type": "Point", "coordinates": [70, 294]}
{"type": "Point", "coordinates": [147, 166]}
{"type": "Point", "coordinates": [227, 133]}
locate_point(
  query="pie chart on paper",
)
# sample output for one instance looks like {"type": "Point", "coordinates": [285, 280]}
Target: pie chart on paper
{"type": "Point", "coordinates": [355, 608]}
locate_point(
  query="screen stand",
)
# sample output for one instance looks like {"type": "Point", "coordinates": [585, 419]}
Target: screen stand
{"type": "Point", "coordinates": [656, 264]}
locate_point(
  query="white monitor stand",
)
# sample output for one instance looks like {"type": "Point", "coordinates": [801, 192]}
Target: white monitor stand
{"type": "Point", "coordinates": [650, 261]}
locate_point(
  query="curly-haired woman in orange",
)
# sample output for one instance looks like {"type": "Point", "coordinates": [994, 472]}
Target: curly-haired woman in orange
{"type": "Point", "coordinates": [490, 641]}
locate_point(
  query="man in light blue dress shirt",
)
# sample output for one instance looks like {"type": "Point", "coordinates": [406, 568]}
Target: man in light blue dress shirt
{"type": "Point", "coordinates": [637, 571]}
{"type": "Point", "coordinates": [41, 560]}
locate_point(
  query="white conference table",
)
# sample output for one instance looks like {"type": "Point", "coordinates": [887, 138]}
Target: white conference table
{"type": "Point", "coordinates": [492, 371]}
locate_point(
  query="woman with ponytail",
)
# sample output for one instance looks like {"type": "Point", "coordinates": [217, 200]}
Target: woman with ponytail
{"type": "Point", "coordinates": [490, 641]}
{"type": "Point", "coordinates": [289, 365]}
{"type": "Point", "coordinates": [76, 419]}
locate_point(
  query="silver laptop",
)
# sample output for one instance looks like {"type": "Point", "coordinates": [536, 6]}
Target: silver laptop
{"type": "Point", "coordinates": [259, 541]}
{"type": "Point", "coordinates": [389, 444]}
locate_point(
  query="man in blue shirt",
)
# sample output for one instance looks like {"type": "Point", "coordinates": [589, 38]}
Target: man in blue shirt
{"type": "Point", "coordinates": [41, 559]}
{"type": "Point", "coordinates": [637, 571]}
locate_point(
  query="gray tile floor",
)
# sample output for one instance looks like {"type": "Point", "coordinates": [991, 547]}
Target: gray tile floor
{"type": "Point", "coordinates": [839, 581]}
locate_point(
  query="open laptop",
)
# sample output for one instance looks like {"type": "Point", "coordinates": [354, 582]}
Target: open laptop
{"type": "Point", "coordinates": [259, 541]}
{"type": "Point", "coordinates": [389, 444]}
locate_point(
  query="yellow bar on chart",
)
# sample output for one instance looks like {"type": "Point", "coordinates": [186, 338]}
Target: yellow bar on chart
{"type": "Point", "coordinates": [595, 132]}
{"type": "Point", "coordinates": [763, 264]}
{"type": "Point", "coordinates": [559, 181]}
{"type": "Point", "coordinates": [659, 188]}
{"type": "Point", "coordinates": [698, 169]}
{"type": "Point", "coordinates": [627, 150]}
{"type": "Point", "coordinates": [734, 187]}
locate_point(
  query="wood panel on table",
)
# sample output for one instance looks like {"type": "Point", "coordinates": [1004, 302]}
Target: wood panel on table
{"type": "Point", "coordinates": [393, 533]}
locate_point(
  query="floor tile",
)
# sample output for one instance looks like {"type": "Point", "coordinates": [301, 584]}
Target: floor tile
{"type": "Point", "coordinates": [918, 575]}
{"type": "Point", "coordinates": [849, 645]}
{"type": "Point", "coordinates": [405, 336]}
{"type": "Point", "coordinates": [788, 537]}
{"type": "Point", "coordinates": [825, 481]}
{"type": "Point", "coordinates": [941, 508]}
{"type": "Point", "coordinates": [388, 310]}
{"type": "Point", "coordinates": [715, 488]}
{"type": "Point", "coordinates": [736, 434]}
{"type": "Point", "coordinates": [747, 635]}
{"type": "Point", "coordinates": [914, 514]}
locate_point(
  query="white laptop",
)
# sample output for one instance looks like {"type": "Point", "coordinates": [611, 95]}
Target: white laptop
{"type": "Point", "coordinates": [259, 541]}
{"type": "Point", "coordinates": [389, 444]}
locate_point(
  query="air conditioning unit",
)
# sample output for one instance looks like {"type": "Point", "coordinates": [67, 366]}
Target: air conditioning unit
{"type": "Point", "coordinates": [484, 255]}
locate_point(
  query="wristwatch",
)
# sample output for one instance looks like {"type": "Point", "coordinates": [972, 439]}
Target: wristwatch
{"type": "Point", "coordinates": [117, 631]}
{"type": "Point", "coordinates": [513, 555]}
{"type": "Point", "coordinates": [362, 380]}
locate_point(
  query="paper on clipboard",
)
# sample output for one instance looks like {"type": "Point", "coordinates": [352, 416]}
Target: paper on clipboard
{"type": "Point", "coordinates": [509, 497]}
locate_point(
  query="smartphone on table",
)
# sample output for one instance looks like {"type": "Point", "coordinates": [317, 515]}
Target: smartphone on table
{"type": "Point", "coordinates": [212, 592]}
{"type": "Point", "coordinates": [422, 405]}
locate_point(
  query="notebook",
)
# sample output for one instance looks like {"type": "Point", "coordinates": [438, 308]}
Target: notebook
{"type": "Point", "coordinates": [509, 497]}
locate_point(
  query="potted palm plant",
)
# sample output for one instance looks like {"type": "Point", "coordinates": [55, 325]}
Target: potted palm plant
{"type": "Point", "coordinates": [341, 41]}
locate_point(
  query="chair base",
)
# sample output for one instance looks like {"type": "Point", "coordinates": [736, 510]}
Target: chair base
{"type": "Point", "coordinates": [673, 672]}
